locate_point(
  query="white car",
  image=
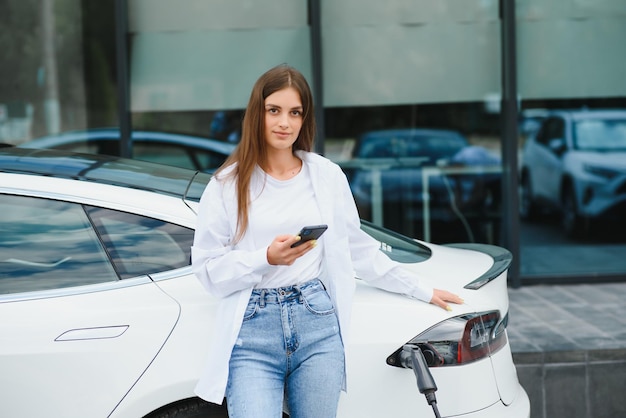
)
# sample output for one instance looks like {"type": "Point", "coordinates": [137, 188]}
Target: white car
{"type": "Point", "coordinates": [103, 317]}
{"type": "Point", "coordinates": [575, 163]}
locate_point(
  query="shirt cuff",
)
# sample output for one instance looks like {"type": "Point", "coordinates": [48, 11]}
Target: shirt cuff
{"type": "Point", "coordinates": [424, 293]}
{"type": "Point", "coordinates": [258, 261]}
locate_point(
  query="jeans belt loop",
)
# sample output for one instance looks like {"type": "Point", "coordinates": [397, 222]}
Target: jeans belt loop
{"type": "Point", "coordinates": [262, 299]}
{"type": "Point", "coordinates": [300, 298]}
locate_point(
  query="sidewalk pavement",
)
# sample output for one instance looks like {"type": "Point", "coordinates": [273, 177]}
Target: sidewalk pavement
{"type": "Point", "coordinates": [577, 317]}
{"type": "Point", "coordinates": [569, 348]}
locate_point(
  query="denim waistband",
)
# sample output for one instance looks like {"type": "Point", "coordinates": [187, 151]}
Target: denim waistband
{"type": "Point", "coordinates": [282, 294]}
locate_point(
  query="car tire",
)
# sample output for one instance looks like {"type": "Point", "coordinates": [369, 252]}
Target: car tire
{"type": "Point", "coordinates": [191, 408]}
{"type": "Point", "coordinates": [572, 222]}
{"type": "Point", "coordinates": [527, 206]}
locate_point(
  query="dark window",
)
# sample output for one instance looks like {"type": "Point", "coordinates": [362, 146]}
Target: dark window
{"type": "Point", "coordinates": [139, 245]}
{"type": "Point", "coordinates": [398, 247]}
{"type": "Point", "coordinates": [553, 128]}
{"type": "Point", "coordinates": [47, 244]}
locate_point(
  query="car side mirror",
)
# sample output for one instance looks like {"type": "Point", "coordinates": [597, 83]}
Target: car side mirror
{"type": "Point", "coordinates": [557, 145]}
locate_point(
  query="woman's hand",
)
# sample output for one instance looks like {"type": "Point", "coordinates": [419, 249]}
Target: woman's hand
{"type": "Point", "coordinates": [280, 253]}
{"type": "Point", "coordinates": [442, 297]}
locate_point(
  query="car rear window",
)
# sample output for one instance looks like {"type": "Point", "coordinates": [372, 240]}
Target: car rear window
{"type": "Point", "coordinates": [397, 247]}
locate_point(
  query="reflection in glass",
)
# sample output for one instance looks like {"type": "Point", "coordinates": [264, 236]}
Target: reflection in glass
{"type": "Point", "coordinates": [139, 245]}
{"type": "Point", "coordinates": [429, 183]}
{"type": "Point", "coordinates": [48, 244]}
{"type": "Point", "coordinates": [600, 134]}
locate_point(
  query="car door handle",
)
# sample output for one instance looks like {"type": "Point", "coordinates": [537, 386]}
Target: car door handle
{"type": "Point", "coordinates": [95, 333]}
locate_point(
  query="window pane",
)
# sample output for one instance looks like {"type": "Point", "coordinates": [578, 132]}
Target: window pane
{"type": "Point", "coordinates": [139, 245]}
{"type": "Point", "coordinates": [409, 90]}
{"type": "Point", "coordinates": [47, 244]}
{"type": "Point", "coordinates": [201, 55]}
{"type": "Point", "coordinates": [571, 67]}
{"type": "Point", "coordinates": [412, 170]}
{"type": "Point", "coordinates": [58, 68]}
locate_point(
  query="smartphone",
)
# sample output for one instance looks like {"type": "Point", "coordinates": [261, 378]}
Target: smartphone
{"type": "Point", "coordinates": [310, 232]}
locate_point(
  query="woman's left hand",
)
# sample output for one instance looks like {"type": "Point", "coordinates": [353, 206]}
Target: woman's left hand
{"type": "Point", "coordinates": [442, 297]}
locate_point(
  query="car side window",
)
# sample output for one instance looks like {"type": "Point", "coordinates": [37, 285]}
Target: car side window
{"type": "Point", "coordinates": [47, 244]}
{"type": "Point", "coordinates": [553, 128]}
{"type": "Point", "coordinates": [139, 245]}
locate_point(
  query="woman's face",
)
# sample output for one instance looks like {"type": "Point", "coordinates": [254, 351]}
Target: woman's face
{"type": "Point", "coordinates": [283, 118]}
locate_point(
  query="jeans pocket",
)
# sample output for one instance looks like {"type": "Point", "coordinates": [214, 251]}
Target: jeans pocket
{"type": "Point", "coordinates": [251, 310]}
{"type": "Point", "coordinates": [319, 303]}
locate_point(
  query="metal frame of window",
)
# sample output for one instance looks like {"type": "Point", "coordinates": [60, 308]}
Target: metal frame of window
{"type": "Point", "coordinates": [123, 77]}
{"type": "Point", "coordinates": [510, 220]}
{"type": "Point", "coordinates": [315, 24]}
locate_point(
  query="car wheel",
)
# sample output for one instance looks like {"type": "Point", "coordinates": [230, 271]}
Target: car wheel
{"type": "Point", "coordinates": [572, 222]}
{"type": "Point", "coordinates": [191, 408]}
{"type": "Point", "coordinates": [527, 205]}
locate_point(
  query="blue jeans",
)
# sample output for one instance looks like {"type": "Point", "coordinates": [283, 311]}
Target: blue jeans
{"type": "Point", "coordinates": [289, 346]}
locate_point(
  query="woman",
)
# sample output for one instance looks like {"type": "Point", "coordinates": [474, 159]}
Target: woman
{"type": "Point", "coordinates": [284, 312]}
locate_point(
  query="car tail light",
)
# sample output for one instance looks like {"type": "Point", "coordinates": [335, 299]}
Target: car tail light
{"type": "Point", "coordinates": [458, 340]}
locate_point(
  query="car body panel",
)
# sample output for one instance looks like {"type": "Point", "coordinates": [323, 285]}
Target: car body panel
{"type": "Point", "coordinates": [376, 337]}
{"type": "Point", "coordinates": [75, 353]}
{"type": "Point", "coordinates": [175, 372]}
{"type": "Point", "coordinates": [505, 376]}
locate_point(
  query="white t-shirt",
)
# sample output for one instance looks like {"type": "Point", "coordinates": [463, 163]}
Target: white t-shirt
{"type": "Point", "coordinates": [284, 207]}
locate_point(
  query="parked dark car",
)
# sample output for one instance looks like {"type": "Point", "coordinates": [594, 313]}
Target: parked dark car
{"type": "Point", "coordinates": [391, 170]}
{"type": "Point", "coordinates": [186, 151]}
{"type": "Point", "coordinates": [576, 165]}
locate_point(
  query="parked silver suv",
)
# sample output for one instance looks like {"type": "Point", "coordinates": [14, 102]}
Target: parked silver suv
{"type": "Point", "coordinates": [576, 163]}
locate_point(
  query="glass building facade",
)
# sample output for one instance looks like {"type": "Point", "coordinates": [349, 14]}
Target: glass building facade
{"type": "Point", "coordinates": [428, 106]}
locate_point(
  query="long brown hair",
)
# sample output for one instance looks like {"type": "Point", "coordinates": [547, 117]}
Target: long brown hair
{"type": "Point", "coordinates": [252, 148]}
